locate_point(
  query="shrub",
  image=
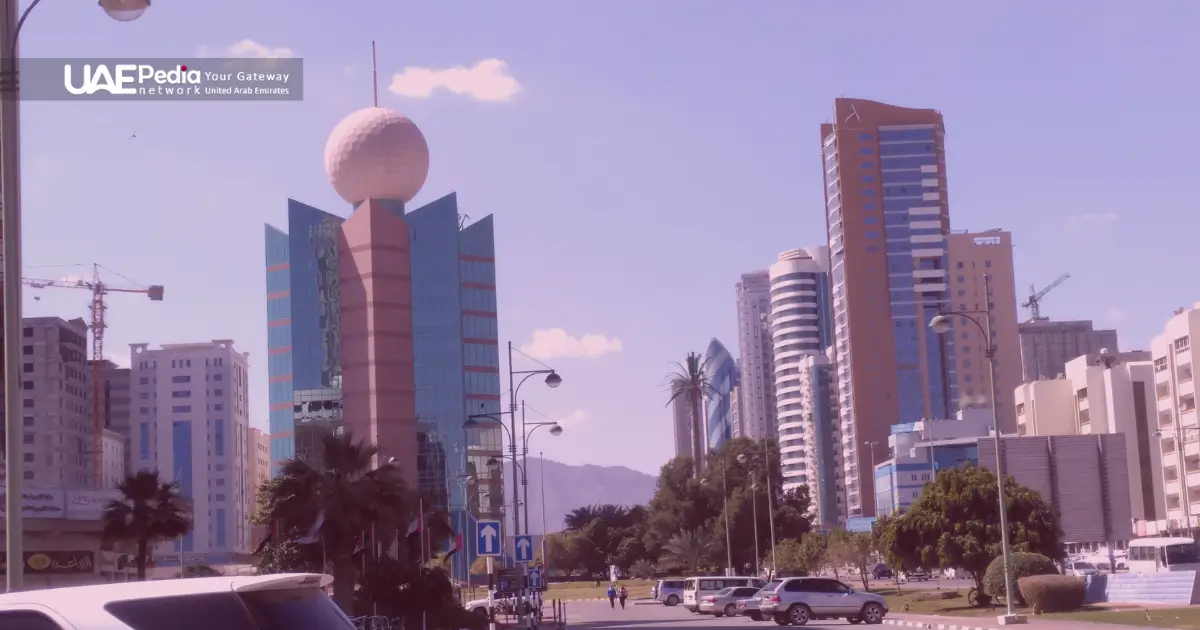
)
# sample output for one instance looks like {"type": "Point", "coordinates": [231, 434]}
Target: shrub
{"type": "Point", "coordinates": [1053, 593]}
{"type": "Point", "coordinates": [1022, 565]}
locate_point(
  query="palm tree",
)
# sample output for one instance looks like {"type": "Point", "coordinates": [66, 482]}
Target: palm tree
{"type": "Point", "coordinates": [342, 501]}
{"type": "Point", "coordinates": [690, 550]}
{"type": "Point", "coordinates": [690, 382]}
{"type": "Point", "coordinates": [150, 510]}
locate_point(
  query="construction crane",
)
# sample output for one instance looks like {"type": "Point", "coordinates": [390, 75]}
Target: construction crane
{"type": "Point", "coordinates": [1034, 303]}
{"type": "Point", "coordinates": [99, 289]}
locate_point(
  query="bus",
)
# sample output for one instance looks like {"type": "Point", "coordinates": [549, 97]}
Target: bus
{"type": "Point", "coordinates": [1155, 555]}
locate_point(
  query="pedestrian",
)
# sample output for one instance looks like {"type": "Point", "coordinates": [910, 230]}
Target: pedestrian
{"type": "Point", "coordinates": [612, 595]}
{"type": "Point", "coordinates": [623, 595]}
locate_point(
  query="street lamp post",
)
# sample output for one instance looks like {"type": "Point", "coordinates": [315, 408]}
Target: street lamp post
{"type": "Point", "coordinates": [941, 324]}
{"type": "Point", "coordinates": [754, 516]}
{"type": "Point", "coordinates": [473, 421]}
{"type": "Point", "coordinates": [555, 430]}
{"type": "Point", "coordinates": [766, 453]}
{"type": "Point", "coordinates": [725, 511]}
{"type": "Point", "coordinates": [10, 198]}
{"type": "Point", "coordinates": [552, 380]}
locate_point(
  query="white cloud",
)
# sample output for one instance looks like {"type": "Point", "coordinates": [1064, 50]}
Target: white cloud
{"type": "Point", "coordinates": [487, 80]}
{"type": "Point", "coordinates": [555, 343]}
{"type": "Point", "coordinates": [1099, 218]}
{"type": "Point", "coordinates": [250, 49]}
{"type": "Point", "coordinates": [1116, 315]}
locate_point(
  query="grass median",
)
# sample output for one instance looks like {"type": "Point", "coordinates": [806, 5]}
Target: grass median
{"type": "Point", "coordinates": [569, 591]}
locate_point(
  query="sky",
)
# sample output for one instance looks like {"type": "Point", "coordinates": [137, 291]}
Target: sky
{"type": "Point", "coordinates": [637, 156]}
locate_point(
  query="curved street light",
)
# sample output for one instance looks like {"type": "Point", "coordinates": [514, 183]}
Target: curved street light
{"type": "Point", "coordinates": [10, 201]}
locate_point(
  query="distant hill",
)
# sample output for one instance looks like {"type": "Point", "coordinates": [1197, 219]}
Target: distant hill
{"type": "Point", "coordinates": [569, 487]}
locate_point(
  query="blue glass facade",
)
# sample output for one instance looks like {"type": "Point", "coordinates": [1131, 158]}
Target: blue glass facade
{"type": "Point", "coordinates": [721, 370]}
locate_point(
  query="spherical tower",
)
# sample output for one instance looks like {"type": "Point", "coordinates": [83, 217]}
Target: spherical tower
{"type": "Point", "coordinates": [376, 153]}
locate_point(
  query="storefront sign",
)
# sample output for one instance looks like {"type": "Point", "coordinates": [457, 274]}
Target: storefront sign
{"type": "Point", "coordinates": [38, 503]}
{"type": "Point", "coordinates": [50, 562]}
{"type": "Point", "coordinates": [88, 505]}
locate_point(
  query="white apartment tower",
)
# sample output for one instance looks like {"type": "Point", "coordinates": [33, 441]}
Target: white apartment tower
{"type": "Point", "coordinates": [190, 422]}
{"type": "Point", "coordinates": [1175, 390]}
{"type": "Point", "coordinates": [757, 392]}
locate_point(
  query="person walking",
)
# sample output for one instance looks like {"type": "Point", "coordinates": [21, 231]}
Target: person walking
{"type": "Point", "coordinates": [623, 595]}
{"type": "Point", "coordinates": [612, 595]}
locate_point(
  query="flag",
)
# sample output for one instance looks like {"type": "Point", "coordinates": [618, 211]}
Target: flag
{"type": "Point", "coordinates": [418, 523]}
{"type": "Point", "coordinates": [314, 532]}
{"type": "Point", "coordinates": [272, 534]}
{"type": "Point", "coordinates": [456, 546]}
{"type": "Point", "coordinates": [359, 545]}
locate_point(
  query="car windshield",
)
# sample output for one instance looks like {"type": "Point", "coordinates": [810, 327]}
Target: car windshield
{"type": "Point", "coordinates": [770, 587]}
{"type": "Point", "coordinates": [724, 591]}
{"type": "Point", "coordinates": [1084, 565]}
{"type": "Point", "coordinates": [1181, 554]}
{"type": "Point", "coordinates": [281, 609]}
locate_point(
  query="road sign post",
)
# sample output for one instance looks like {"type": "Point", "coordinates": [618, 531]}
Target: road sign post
{"type": "Point", "coordinates": [487, 538]}
{"type": "Point", "coordinates": [523, 548]}
{"type": "Point", "coordinates": [533, 579]}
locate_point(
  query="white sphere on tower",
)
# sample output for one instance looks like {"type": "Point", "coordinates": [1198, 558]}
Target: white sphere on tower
{"type": "Point", "coordinates": [376, 153]}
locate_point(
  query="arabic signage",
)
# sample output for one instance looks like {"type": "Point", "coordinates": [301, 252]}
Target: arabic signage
{"type": "Point", "coordinates": [38, 503]}
{"type": "Point", "coordinates": [88, 505]}
{"type": "Point", "coordinates": [55, 562]}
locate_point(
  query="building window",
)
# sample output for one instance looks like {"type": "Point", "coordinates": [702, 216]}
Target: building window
{"type": "Point", "coordinates": [1181, 344]}
{"type": "Point", "coordinates": [181, 393]}
{"type": "Point", "coordinates": [27, 350]}
{"type": "Point", "coordinates": [181, 409]}
{"type": "Point", "coordinates": [867, 151]}
{"type": "Point", "coordinates": [28, 367]}
{"type": "Point", "coordinates": [28, 332]}
{"type": "Point", "coordinates": [181, 379]}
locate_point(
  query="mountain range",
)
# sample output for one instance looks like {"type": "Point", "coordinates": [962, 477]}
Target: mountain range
{"type": "Point", "coordinates": [569, 487]}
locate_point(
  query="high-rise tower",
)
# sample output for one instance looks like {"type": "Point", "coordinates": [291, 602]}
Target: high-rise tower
{"type": "Point", "coordinates": [757, 390]}
{"type": "Point", "coordinates": [887, 217]}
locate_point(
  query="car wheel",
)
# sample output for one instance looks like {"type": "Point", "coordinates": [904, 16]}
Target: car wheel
{"type": "Point", "coordinates": [781, 620]}
{"type": "Point", "coordinates": [730, 610]}
{"type": "Point", "coordinates": [482, 612]}
{"type": "Point", "coordinates": [718, 614]}
{"type": "Point", "coordinates": [799, 614]}
{"type": "Point", "coordinates": [872, 613]}
{"type": "Point", "coordinates": [672, 600]}
{"type": "Point", "coordinates": [755, 616]}
{"type": "Point", "coordinates": [854, 620]}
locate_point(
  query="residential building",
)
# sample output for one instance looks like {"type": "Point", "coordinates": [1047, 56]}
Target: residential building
{"type": "Point", "coordinates": [60, 444]}
{"type": "Point", "coordinates": [1085, 478]}
{"type": "Point", "coordinates": [1175, 392]}
{"type": "Point", "coordinates": [757, 394]}
{"type": "Point", "coordinates": [888, 217]}
{"type": "Point", "coordinates": [801, 328]}
{"type": "Point", "coordinates": [735, 406]}
{"type": "Point", "coordinates": [721, 371]}
{"type": "Point", "coordinates": [113, 461]}
{"type": "Point", "coordinates": [809, 443]}
{"type": "Point", "coordinates": [258, 458]}
{"type": "Point", "coordinates": [116, 405]}
{"type": "Point", "coordinates": [1098, 394]}
{"type": "Point", "coordinates": [974, 255]}
{"type": "Point", "coordinates": [681, 420]}
{"type": "Point", "coordinates": [1046, 346]}
{"type": "Point", "coordinates": [917, 450]}
{"type": "Point", "coordinates": [191, 425]}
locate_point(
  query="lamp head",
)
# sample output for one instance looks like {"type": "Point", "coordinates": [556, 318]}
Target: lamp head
{"type": "Point", "coordinates": [493, 463]}
{"type": "Point", "coordinates": [553, 380]}
{"type": "Point", "coordinates": [471, 423]}
{"type": "Point", "coordinates": [940, 324]}
{"type": "Point", "coordinates": [124, 10]}
{"type": "Point", "coordinates": [742, 459]}
{"type": "Point", "coordinates": [556, 430]}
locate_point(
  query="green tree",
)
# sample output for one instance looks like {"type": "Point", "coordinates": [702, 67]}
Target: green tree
{"type": "Point", "coordinates": [690, 550]}
{"type": "Point", "coordinates": [689, 382]}
{"type": "Point", "coordinates": [149, 511]}
{"type": "Point", "coordinates": [479, 567]}
{"type": "Point", "coordinates": [814, 552]}
{"type": "Point", "coordinates": [348, 498]}
{"type": "Point", "coordinates": [288, 557]}
{"type": "Point", "coordinates": [854, 549]}
{"type": "Point", "coordinates": [955, 524]}
{"type": "Point", "coordinates": [788, 556]}
{"type": "Point", "coordinates": [642, 569]}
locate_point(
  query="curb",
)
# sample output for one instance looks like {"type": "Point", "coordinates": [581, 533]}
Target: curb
{"type": "Point", "coordinates": [926, 625]}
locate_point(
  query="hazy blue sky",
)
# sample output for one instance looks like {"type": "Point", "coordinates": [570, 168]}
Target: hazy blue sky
{"type": "Point", "coordinates": [655, 150]}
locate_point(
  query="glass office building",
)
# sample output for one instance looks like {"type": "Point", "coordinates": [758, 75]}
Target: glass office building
{"type": "Point", "coordinates": [721, 370]}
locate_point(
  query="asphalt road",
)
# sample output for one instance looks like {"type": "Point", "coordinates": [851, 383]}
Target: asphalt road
{"type": "Point", "coordinates": [591, 615]}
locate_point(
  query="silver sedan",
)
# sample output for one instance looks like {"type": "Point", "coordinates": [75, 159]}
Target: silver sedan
{"type": "Point", "coordinates": [724, 603]}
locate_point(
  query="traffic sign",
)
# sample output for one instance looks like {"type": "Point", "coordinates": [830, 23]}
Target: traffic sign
{"type": "Point", "coordinates": [510, 580]}
{"type": "Point", "coordinates": [533, 579]}
{"type": "Point", "coordinates": [524, 548]}
{"type": "Point", "coordinates": [487, 538]}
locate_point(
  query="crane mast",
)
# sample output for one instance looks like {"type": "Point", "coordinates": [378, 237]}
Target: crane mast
{"type": "Point", "coordinates": [98, 307]}
{"type": "Point", "coordinates": [1034, 302]}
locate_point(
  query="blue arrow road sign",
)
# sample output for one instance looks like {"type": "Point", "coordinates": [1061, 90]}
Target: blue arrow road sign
{"type": "Point", "coordinates": [487, 538]}
{"type": "Point", "coordinates": [533, 580]}
{"type": "Point", "coordinates": [524, 548]}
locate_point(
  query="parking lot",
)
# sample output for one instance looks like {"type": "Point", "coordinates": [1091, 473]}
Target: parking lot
{"type": "Point", "coordinates": [593, 614]}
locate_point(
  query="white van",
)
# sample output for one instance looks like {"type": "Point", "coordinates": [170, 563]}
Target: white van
{"type": "Point", "coordinates": [1154, 555]}
{"type": "Point", "coordinates": [696, 587]}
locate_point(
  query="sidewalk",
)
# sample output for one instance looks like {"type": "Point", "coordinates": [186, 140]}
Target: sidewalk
{"type": "Point", "coordinates": [938, 622]}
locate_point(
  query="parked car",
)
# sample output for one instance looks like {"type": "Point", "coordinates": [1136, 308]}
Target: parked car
{"type": "Point", "coordinates": [917, 575]}
{"type": "Point", "coordinates": [669, 592]}
{"type": "Point", "coordinates": [882, 572]}
{"type": "Point", "coordinates": [799, 600]}
{"type": "Point", "coordinates": [1079, 569]}
{"type": "Point", "coordinates": [749, 607]}
{"type": "Point", "coordinates": [285, 600]}
{"type": "Point", "coordinates": [724, 602]}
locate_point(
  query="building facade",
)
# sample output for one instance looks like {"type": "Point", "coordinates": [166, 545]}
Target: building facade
{"type": "Point", "coordinates": [1046, 346]}
{"type": "Point", "coordinates": [1085, 478]}
{"type": "Point", "coordinates": [918, 450]}
{"type": "Point", "coordinates": [1175, 395]}
{"type": "Point", "coordinates": [258, 463]}
{"type": "Point", "coordinates": [191, 425]}
{"type": "Point", "coordinates": [757, 393]}
{"type": "Point", "coordinates": [1099, 394]}
{"type": "Point", "coordinates": [810, 443]}
{"type": "Point", "coordinates": [721, 371]}
{"type": "Point", "coordinates": [972, 256]}
{"type": "Point", "coordinates": [887, 217]}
